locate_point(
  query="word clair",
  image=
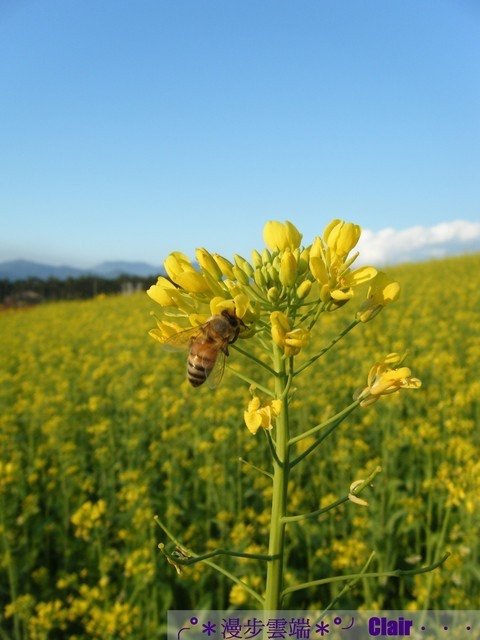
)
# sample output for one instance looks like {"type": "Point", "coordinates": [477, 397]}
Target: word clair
{"type": "Point", "coordinates": [386, 627]}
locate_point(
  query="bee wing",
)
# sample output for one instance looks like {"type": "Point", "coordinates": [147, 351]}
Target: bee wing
{"type": "Point", "coordinates": [217, 372]}
{"type": "Point", "coordinates": [182, 340]}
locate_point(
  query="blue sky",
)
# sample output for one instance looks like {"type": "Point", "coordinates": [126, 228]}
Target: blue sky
{"type": "Point", "coordinates": [132, 128]}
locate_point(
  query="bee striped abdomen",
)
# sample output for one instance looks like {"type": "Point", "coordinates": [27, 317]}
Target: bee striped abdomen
{"type": "Point", "coordinates": [200, 363]}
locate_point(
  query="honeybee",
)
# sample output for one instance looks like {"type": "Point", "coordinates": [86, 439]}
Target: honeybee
{"type": "Point", "coordinates": [207, 347]}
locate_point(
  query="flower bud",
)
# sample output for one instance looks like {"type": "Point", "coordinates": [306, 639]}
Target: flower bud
{"type": "Point", "coordinates": [266, 257]}
{"type": "Point", "coordinates": [272, 273]}
{"type": "Point", "coordinates": [341, 236]}
{"type": "Point", "coordinates": [317, 262]}
{"type": "Point", "coordinates": [240, 275]}
{"type": "Point", "coordinates": [280, 236]}
{"type": "Point", "coordinates": [224, 265]}
{"type": "Point", "coordinates": [161, 292]}
{"type": "Point", "coordinates": [260, 278]}
{"type": "Point", "coordinates": [272, 294]}
{"type": "Point", "coordinates": [192, 281]}
{"type": "Point", "coordinates": [304, 289]}
{"type": "Point", "coordinates": [244, 265]}
{"type": "Point", "coordinates": [303, 260]}
{"type": "Point", "coordinates": [256, 259]}
{"type": "Point", "coordinates": [176, 263]}
{"type": "Point", "coordinates": [208, 264]}
{"type": "Point", "coordinates": [288, 268]}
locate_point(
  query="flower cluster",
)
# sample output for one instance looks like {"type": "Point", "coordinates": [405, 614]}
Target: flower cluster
{"type": "Point", "coordinates": [280, 281]}
{"type": "Point", "coordinates": [330, 263]}
{"type": "Point", "coordinates": [384, 378]}
{"type": "Point", "coordinates": [279, 295]}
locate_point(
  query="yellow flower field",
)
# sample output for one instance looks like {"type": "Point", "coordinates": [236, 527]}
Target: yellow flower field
{"type": "Point", "coordinates": [100, 431]}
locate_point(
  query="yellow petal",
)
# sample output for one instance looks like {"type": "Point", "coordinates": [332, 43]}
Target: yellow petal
{"type": "Point", "coordinates": [176, 263]}
{"type": "Point", "coordinates": [253, 421]}
{"type": "Point", "coordinates": [276, 407]}
{"type": "Point", "coordinates": [242, 303]}
{"type": "Point", "coordinates": [342, 294]}
{"type": "Point", "coordinates": [160, 295]}
{"type": "Point", "coordinates": [363, 274]}
{"type": "Point", "coordinates": [191, 281]}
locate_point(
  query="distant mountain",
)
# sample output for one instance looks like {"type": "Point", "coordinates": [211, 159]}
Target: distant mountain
{"type": "Point", "coordinates": [117, 268]}
{"type": "Point", "coordinates": [23, 269]}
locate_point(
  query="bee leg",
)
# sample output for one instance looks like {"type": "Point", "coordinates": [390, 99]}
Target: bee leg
{"type": "Point", "coordinates": [235, 336]}
{"type": "Point", "coordinates": [225, 350]}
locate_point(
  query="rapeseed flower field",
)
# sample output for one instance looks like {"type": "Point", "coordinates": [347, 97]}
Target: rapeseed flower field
{"type": "Point", "coordinates": [100, 432]}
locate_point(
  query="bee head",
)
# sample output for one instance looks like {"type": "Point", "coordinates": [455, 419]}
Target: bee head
{"type": "Point", "coordinates": [232, 318]}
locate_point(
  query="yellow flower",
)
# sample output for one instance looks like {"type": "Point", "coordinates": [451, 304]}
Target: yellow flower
{"type": "Point", "coordinates": [257, 416]}
{"type": "Point", "coordinates": [177, 263]}
{"type": "Point", "coordinates": [181, 271]}
{"type": "Point", "coordinates": [341, 237]}
{"type": "Point", "coordinates": [330, 267]}
{"type": "Point", "coordinates": [291, 340]}
{"type": "Point", "coordinates": [295, 340]}
{"type": "Point", "coordinates": [381, 292]}
{"type": "Point", "coordinates": [281, 235]}
{"type": "Point", "coordinates": [165, 330]}
{"type": "Point", "coordinates": [88, 517]}
{"type": "Point", "coordinates": [386, 377]}
{"type": "Point", "coordinates": [238, 595]}
{"type": "Point", "coordinates": [166, 294]}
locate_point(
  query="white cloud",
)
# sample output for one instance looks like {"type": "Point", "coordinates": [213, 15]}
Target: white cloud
{"type": "Point", "coordinates": [418, 243]}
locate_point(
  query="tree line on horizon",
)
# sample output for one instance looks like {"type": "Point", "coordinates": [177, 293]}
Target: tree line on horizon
{"type": "Point", "coordinates": [30, 291]}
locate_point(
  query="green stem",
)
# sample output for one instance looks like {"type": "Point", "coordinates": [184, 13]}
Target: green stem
{"type": "Point", "coordinates": [350, 584]}
{"type": "Point", "coordinates": [253, 466]}
{"type": "Point", "coordinates": [315, 514]}
{"type": "Point", "coordinates": [440, 543]}
{"type": "Point", "coordinates": [334, 421]}
{"type": "Point", "coordinates": [211, 564]}
{"type": "Point", "coordinates": [273, 450]}
{"type": "Point", "coordinates": [178, 559]}
{"type": "Point", "coordinates": [318, 355]}
{"type": "Point", "coordinates": [395, 573]}
{"type": "Point", "coordinates": [337, 503]}
{"type": "Point", "coordinates": [249, 355]}
{"type": "Point", "coordinates": [280, 484]}
{"type": "Point", "coordinates": [318, 311]}
{"type": "Point", "coordinates": [251, 382]}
